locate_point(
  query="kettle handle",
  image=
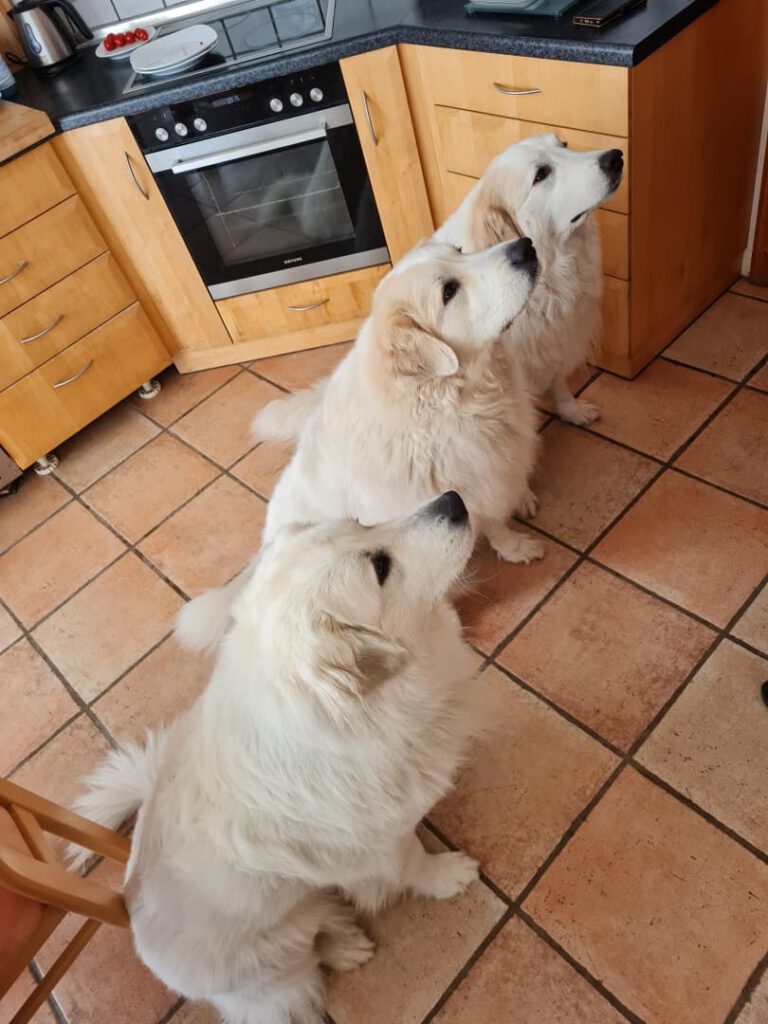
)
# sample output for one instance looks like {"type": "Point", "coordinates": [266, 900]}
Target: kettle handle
{"type": "Point", "coordinates": [74, 17]}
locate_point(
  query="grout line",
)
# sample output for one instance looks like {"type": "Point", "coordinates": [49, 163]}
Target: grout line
{"type": "Point", "coordinates": [150, 650]}
{"type": "Point", "coordinates": [32, 529]}
{"type": "Point", "coordinates": [171, 1013]}
{"type": "Point", "coordinates": [55, 1007]}
{"type": "Point", "coordinates": [763, 506]}
{"type": "Point", "coordinates": [747, 992]}
{"type": "Point", "coordinates": [485, 879]}
{"type": "Point", "coordinates": [702, 369]}
{"type": "Point", "coordinates": [48, 739]}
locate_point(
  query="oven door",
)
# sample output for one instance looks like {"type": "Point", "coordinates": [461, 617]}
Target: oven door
{"type": "Point", "coordinates": [274, 204]}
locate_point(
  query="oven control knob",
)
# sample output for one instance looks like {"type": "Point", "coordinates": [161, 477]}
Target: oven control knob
{"type": "Point", "coordinates": [199, 124]}
{"type": "Point", "coordinates": [297, 100]}
{"type": "Point", "coordinates": [276, 104]}
{"type": "Point", "coordinates": [181, 129]}
{"type": "Point", "coordinates": [316, 94]}
{"type": "Point", "coordinates": [161, 134]}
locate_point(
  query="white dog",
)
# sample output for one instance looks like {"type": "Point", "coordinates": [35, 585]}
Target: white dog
{"type": "Point", "coordinates": [540, 189]}
{"type": "Point", "coordinates": [337, 715]}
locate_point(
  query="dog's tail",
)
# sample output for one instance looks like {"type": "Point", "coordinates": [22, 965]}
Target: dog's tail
{"type": "Point", "coordinates": [118, 787]}
{"type": "Point", "coordinates": [202, 623]}
{"type": "Point", "coordinates": [284, 419]}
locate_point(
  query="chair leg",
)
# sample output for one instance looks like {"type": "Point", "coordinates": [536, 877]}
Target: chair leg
{"type": "Point", "coordinates": [56, 973]}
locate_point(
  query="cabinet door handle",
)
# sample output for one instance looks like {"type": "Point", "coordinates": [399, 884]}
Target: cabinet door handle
{"type": "Point", "coordinates": [45, 330]}
{"type": "Point", "coordinates": [369, 120]}
{"type": "Point", "coordinates": [306, 309]}
{"type": "Point", "coordinates": [509, 91]}
{"type": "Point", "coordinates": [75, 376]}
{"type": "Point", "coordinates": [134, 179]}
{"type": "Point", "coordinates": [15, 273]}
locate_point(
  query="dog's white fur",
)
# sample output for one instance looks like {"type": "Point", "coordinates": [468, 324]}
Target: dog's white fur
{"type": "Point", "coordinates": [425, 401]}
{"type": "Point", "coordinates": [557, 329]}
{"type": "Point", "coordinates": [288, 795]}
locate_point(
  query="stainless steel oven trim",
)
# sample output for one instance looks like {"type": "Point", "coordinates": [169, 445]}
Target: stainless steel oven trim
{"type": "Point", "coordinates": [253, 149]}
{"type": "Point", "coordinates": [302, 272]}
{"type": "Point", "coordinates": [262, 135]}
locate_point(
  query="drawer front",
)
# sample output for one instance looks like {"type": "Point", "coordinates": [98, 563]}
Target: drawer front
{"type": "Point", "coordinates": [469, 141]}
{"type": "Point", "coordinates": [47, 324]}
{"type": "Point", "coordinates": [613, 227]}
{"type": "Point", "coordinates": [296, 307]}
{"type": "Point", "coordinates": [72, 389]}
{"type": "Point", "coordinates": [30, 185]}
{"type": "Point", "coordinates": [591, 97]}
{"type": "Point", "coordinates": [45, 250]}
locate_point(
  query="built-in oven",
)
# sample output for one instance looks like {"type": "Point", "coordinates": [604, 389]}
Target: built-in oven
{"type": "Point", "coordinates": [267, 183]}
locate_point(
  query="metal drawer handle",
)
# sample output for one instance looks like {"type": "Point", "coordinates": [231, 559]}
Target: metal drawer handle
{"type": "Point", "coordinates": [75, 376]}
{"type": "Point", "coordinates": [369, 120]}
{"type": "Point", "coordinates": [514, 92]}
{"type": "Point", "coordinates": [134, 179]}
{"type": "Point", "coordinates": [45, 330]}
{"type": "Point", "coordinates": [306, 309]}
{"type": "Point", "coordinates": [15, 273]}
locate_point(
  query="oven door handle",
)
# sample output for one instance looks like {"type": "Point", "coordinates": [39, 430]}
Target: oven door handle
{"type": "Point", "coordinates": [251, 149]}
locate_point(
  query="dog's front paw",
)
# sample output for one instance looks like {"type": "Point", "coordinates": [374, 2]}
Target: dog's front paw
{"type": "Point", "coordinates": [517, 547]}
{"type": "Point", "coordinates": [450, 874]}
{"type": "Point", "coordinates": [578, 412]}
{"type": "Point", "coordinates": [528, 505]}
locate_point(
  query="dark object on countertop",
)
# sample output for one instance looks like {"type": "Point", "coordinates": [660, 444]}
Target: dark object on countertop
{"type": "Point", "coordinates": [547, 8]}
{"type": "Point", "coordinates": [604, 12]}
{"type": "Point", "coordinates": [764, 691]}
{"type": "Point", "coordinates": [49, 31]}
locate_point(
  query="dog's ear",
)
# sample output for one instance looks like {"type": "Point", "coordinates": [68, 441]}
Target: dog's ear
{"type": "Point", "coordinates": [490, 221]}
{"type": "Point", "coordinates": [417, 353]}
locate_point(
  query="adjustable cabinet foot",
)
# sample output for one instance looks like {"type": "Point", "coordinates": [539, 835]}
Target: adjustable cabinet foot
{"type": "Point", "coordinates": [46, 465]}
{"type": "Point", "coordinates": [149, 389]}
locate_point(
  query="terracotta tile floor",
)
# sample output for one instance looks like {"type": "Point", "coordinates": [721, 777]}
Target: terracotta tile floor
{"type": "Point", "coordinates": [618, 801]}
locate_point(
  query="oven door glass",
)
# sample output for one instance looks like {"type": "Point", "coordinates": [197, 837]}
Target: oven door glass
{"type": "Point", "coordinates": [275, 213]}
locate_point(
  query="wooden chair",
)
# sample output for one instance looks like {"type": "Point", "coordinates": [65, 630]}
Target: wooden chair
{"type": "Point", "coordinates": [36, 892]}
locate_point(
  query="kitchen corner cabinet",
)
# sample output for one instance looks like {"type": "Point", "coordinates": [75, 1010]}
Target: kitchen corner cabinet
{"type": "Point", "coordinates": [688, 119]}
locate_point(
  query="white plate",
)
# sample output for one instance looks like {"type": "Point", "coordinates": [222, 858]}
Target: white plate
{"type": "Point", "coordinates": [175, 51]}
{"type": "Point", "coordinates": [124, 51]}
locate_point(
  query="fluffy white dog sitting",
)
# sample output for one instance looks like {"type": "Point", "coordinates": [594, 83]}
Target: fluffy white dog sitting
{"type": "Point", "coordinates": [288, 795]}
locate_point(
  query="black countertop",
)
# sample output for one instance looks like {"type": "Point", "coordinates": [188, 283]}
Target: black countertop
{"type": "Point", "coordinates": [92, 90]}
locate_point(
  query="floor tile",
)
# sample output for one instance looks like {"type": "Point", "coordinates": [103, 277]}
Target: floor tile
{"type": "Point", "coordinates": [756, 1009]}
{"type": "Point", "coordinates": [519, 979]}
{"type": "Point", "coordinates": [57, 771]}
{"type": "Point", "coordinates": [99, 448]}
{"type": "Point", "coordinates": [149, 485]}
{"type": "Point", "coordinates": [49, 565]}
{"type": "Point", "coordinates": [728, 339]}
{"type": "Point", "coordinates": [760, 379]}
{"type": "Point", "coordinates": [15, 996]}
{"type": "Point", "coordinates": [9, 631]}
{"type": "Point", "coordinates": [583, 482]}
{"type": "Point", "coordinates": [209, 540]}
{"type": "Point", "coordinates": [496, 596]}
{"type": "Point", "coordinates": [261, 468]}
{"type": "Point", "coordinates": [606, 652]}
{"type": "Point", "coordinates": [160, 687]}
{"type": "Point", "coordinates": [109, 625]}
{"type": "Point", "coordinates": [182, 391]}
{"type": "Point", "coordinates": [420, 947]}
{"type": "Point", "coordinates": [39, 700]}
{"type": "Point", "coordinates": [754, 291]}
{"type": "Point", "coordinates": [37, 498]}
{"type": "Point", "coordinates": [711, 745]}
{"type": "Point", "coordinates": [197, 1013]}
{"type": "Point", "coordinates": [128, 991]}
{"type": "Point", "coordinates": [301, 369]}
{"type": "Point", "coordinates": [752, 627]}
{"type": "Point", "coordinates": [220, 427]}
{"type": "Point", "coordinates": [731, 451]}
{"type": "Point", "coordinates": [657, 411]}
{"type": "Point", "coordinates": [696, 546]}
{"type": "Point", "coordinates": [526, 780]}
{"type": "Point", "coordinates": [668, 912]}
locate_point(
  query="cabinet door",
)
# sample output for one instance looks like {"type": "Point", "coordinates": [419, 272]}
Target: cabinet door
{"type": "Point", "coordinates": [116, 185]}
{"type": "Point", "coordinates": [379, 103]}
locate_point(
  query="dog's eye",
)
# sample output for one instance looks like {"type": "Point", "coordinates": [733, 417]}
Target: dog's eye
{"type": "Point", "coordinates": [449, 290]}
{"type": "Point", "coordinates": [541, 173]}
{"type": "Point", "coordinates": [382, 563]}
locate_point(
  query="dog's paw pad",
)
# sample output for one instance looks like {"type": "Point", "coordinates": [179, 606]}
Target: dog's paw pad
{"type": "Point", "coordinates": [345, 953]}
{"type": "Point", "coordinates": [579, 413]}
{"type": "Point", "coordinates": [452, 873]}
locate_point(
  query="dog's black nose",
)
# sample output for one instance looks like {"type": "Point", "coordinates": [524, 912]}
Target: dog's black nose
{"type": "Point", "coordinates": [521, 252]}
{"type": "Point", "coordinates": [612, 161]}
{"type": "Point", "coordinates": [449, 506]}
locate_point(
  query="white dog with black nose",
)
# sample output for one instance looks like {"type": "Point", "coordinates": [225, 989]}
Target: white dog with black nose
{"type": "Point", "coordinates": [287, 797]}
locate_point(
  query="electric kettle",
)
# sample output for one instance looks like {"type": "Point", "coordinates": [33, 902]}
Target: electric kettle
{"type": "Point", "coordinates": [49, 30]}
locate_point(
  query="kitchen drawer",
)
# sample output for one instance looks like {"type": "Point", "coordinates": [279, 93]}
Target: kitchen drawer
{"type": "Point", "coordinates": [310, 304]}
{"type": "Point", "coordinates": [613, 227]}
{"type": "Point", "coordinates": [30, 185]}
{"type": "Point", "coordinates": [469, 141]}
{"type": "Point", "coordinates": [591, 97]}
{"type": "Point", "coordinates": [45, 325]}
{"type": "Point", "coordinates": [92, 375]}
{"type": "Point", "coordinates": [45, 250]}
